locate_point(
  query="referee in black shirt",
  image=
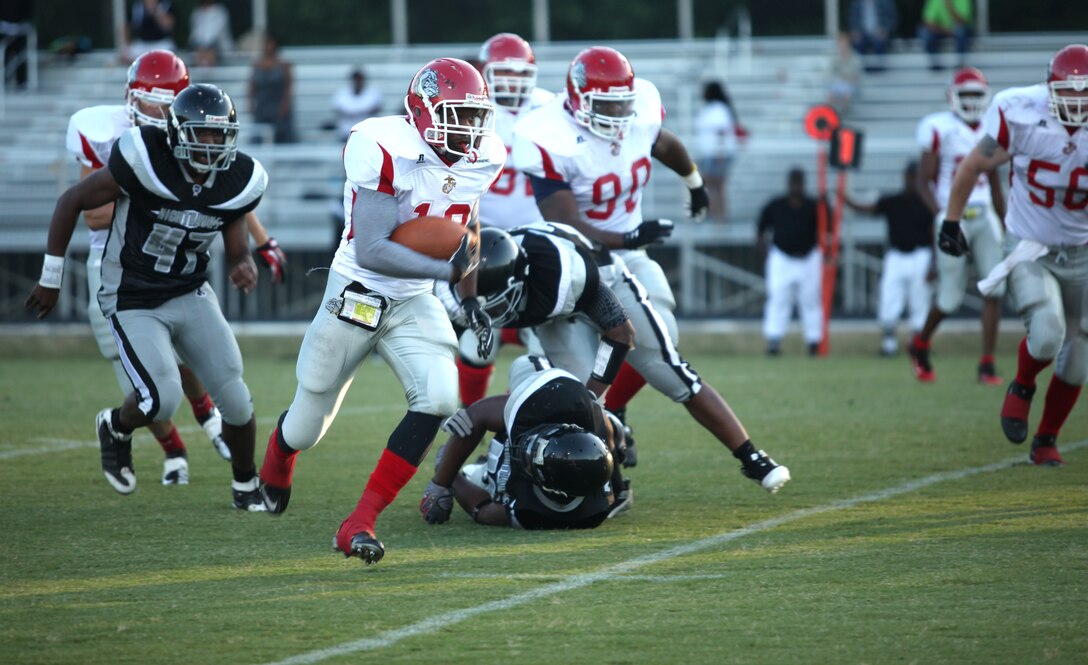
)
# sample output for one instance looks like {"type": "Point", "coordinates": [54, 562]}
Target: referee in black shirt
{"type": "Point", "coordinates": [794, 265]}
{"type": "Point", "coordinates": [908, 261]}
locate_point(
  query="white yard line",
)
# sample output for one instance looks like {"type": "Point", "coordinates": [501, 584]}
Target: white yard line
{"type": "Point", "coordinates": [544, 577]}
{"type": "Point", "coordinates": [438, 621]}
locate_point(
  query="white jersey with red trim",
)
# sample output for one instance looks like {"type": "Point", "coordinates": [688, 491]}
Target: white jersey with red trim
{"type": "Point", "coordinates": [510, 201]}
{"type": "Point", "coordinates": [1048, 199]}
{"type": "Point", "coordinates": [606, 177]}
{"type": "Point", "coordinates": [952, 139]}
{"type": "Point", "coordinates": [388, 155]}
{"type": "Point", "coordinates": [91, 134]}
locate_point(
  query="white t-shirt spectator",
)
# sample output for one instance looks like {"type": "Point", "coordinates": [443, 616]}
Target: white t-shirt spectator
{"type": "Point", "coordinates": [352, 108]}
{"type": "Point", "coordinates": [715, 131]}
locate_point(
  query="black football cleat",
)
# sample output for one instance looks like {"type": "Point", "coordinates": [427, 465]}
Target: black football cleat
{"type": "Point", "coordinates": [1014, 411]}
{"type": "Point", "coordinates": [247, 496]}
{"type": "Point", "coordinates": [363, 545]}
{"type": "Point", "coordinates": [631, 456]}
{"type": "Point", "coordinates": [275, 498]}
{"type": "Point", "coordinates": [116, 452]}
{"type": "Point", "coordinates": [763, 470]}
{"type": "Point", "coordinates": [1044, 451]}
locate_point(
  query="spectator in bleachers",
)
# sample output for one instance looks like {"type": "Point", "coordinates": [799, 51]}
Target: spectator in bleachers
{"type": "Point", "coordinates": [209, 33]}
{"type": "Point", "coordinates": [716, 129]}
{"type": "Point", "coordinates": [845, 75]}
{"type": "Point", "coordinates": [355, 102]}
{"type": "Point", "coordinates": [151, 28]}
{"type": "Point", "coordinates": [270, 93]}
{"type": "Point", "coordinates": [942, 19]}
{"type": "Point", "coordinates": [15, 25]}
{"type": "Point", "coordinates": [872, 23]}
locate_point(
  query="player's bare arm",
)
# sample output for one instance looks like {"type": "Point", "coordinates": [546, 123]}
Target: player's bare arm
{"type": "Point", "coordinates": [857, 206]}
{"type": "Point", "coordinates": [243, 271]}
{"type": "Point", "coordinates": [997, 194]}
{"type": "Point", "coordinates": [477, 503]}
{"type": "Point", "coordinates": [467, 428]}
{"type": "Point", "coordinates": [927, 174]}
{"type": "Point", "coordinates": [670, 151]}
{"type": "Point", "coordinates": [375, 216]}
{"type": "Point", "coordinates": [988, 155]}
{"type": "Point", "coordinates": [98, 218]}
{"type": "Point", "coordinates": [94, 191]}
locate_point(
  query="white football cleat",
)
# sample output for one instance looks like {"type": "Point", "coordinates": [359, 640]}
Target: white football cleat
{"type": "Point", "coordinates": [175, 471]}
{"type": "Point", "coordinates": [213, 427]}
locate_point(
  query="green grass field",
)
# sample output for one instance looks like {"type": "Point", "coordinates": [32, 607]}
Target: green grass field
{"type": "Point", "coordinates": [983, 559]}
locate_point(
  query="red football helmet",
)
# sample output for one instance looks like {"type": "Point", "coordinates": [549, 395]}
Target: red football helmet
{"type": "Point", "coordinates": [601, 91]}
{"type": "Point", "coordinates": [1067, 81]}
{"type": "Point", "coordinates": [447, 103]}
{"type": "Point", "coordinates": [509, 68]}
{"type": "Point", "coordinates": [154, 79]}
{"type": "Point", "coordinates": [969, 94]}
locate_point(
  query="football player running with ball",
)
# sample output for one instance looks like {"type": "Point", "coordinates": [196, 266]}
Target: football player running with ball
{"type": "Point", "coordinates": [174, 192]}
{"type": "Point", "coordinates": [1043, 130]}
{"type": "Point", "coordinates": [438, 160]}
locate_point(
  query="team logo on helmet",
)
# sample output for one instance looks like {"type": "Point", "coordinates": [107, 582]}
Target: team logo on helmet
{"type": "Point", "coordinates": [450, 184]}
{"type": "Point", "coordinates": [578, 75]}
{"type": "Point", "coordinates": [428, 84]}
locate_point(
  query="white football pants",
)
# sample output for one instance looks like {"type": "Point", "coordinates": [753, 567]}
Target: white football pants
{"type": "Point", "coordinates": [793, 281]}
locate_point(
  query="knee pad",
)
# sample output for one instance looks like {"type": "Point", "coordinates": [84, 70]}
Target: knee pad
{"type": "Point", "coordinates": [166, 399]}
{"type": "Point", "coordinates": [1046, 332]}
{"type": "Point", "coordinates": [299, 429]}
{"type": "Point", "coordinates": [439, 396]}
{"type": "Point", "coordinates": [469, 344]}
{"type": "Point", "coordinates": [1072, 365]}
{"type": "Point", "coordinates": [235, 402]}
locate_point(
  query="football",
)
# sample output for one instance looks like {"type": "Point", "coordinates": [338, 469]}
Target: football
{"type": "Point", "coordinates": [437, 237]}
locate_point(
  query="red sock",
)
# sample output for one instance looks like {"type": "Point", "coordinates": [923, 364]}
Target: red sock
{"type": "Point", "coordinates": [172, 444]}
{"type": "Point", "coordinates": [474, 381]}
{"type": "Point", "coordinates": [510, 336]}
{"type": "Point", "coordinates": [392, 473]}
{"type": "Point", "coordinates": [279, 465]}
{"type": "Point", "coordinates": [1027, 367]}
{"type": "Point", "coordinates": [202, 407]}
{"type": "Point", "coordinates": [920, 343]}
{"type": "Point", "coordinates": [1060, 399]}
{"type": "Point", "coordinates": [985, 360]}
{"type": "Point", "coordinates": [627, 384]}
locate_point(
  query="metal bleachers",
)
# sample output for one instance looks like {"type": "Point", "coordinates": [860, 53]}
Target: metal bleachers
{"type": "Point", "coordinates": [712, 265]}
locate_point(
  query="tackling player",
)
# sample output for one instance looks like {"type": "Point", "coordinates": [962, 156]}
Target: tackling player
{"type": "Point", "coordinates": [549, 277]}
{"type": "Point", "coordinates": [551, 464]}
{"type": "Point", "coordinates": [438, 160]}
{"type": "Point", "coordinates": [946, 138]}
{"type": "Point", "coordinates": [1043, 130]}
{"type": "Point", "coordinates": [175, 192]}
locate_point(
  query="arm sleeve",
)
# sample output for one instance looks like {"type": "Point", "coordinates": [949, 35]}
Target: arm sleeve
{"type": "Point", "coordinates": [605, 309]}
{"type": "Point", "coordinates": [374, 217]}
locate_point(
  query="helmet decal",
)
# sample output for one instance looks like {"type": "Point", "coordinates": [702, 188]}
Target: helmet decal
{"type": "Point", "coordinates": [578, 75]}
{"type": "Point", "coordinates": [428, 84]}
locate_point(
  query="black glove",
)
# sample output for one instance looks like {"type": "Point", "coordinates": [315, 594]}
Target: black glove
{"type": "Point", "coordinates": [480, 323]}
{"type": "Point", "coordinates": [463, 260]}
{"type": "Point", "coordinates": [951, 239]}
{"type": "Point", "coordinates": [436, 504]}
{"type": "Point", "coordinates": [649, 232]}
{"type": "Point", "coordinates": [274, 258]}
{"type": "Point", "coordinates": [699, 202]}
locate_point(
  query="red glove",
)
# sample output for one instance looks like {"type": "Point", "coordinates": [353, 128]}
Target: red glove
{"type": "Point", "coordinates": [274, 258]}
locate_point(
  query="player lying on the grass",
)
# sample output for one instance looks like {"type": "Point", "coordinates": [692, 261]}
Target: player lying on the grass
{"type": "Point", "coordinates": [562, 265]}
{"type": "Point", "coordinates": [176, 192]}
{"type": "Point", "coordinates": [1043, 129]}
{"type": "Point", "coordinates": [553, 463]}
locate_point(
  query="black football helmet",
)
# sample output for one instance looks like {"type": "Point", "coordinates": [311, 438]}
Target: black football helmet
{"type": "Point", "coordinates": [563, 459]}
{"type": "Point", "coordinates": [202, 128]}
{"type": "Point", "coordinates": [501, 275]}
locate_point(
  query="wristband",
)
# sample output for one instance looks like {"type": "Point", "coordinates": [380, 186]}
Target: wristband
{"type": "Point", "coordinates": [52, 271]}
{"type": "Point", "coordinates": [693, 180]}
{"type": "Point", "coordinates": [610, 355]}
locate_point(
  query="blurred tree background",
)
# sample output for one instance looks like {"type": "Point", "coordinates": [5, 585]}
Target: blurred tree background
{"type": "Point", "coordinates": [470, 21]}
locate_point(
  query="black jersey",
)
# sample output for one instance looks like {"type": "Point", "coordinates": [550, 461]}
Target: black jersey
{"type": "Point", "coordinates": [563, 274]}
{"type": "Point", "coordinates": [552, 396]}
{"type": "Point", "coordinates": [163, 223]}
